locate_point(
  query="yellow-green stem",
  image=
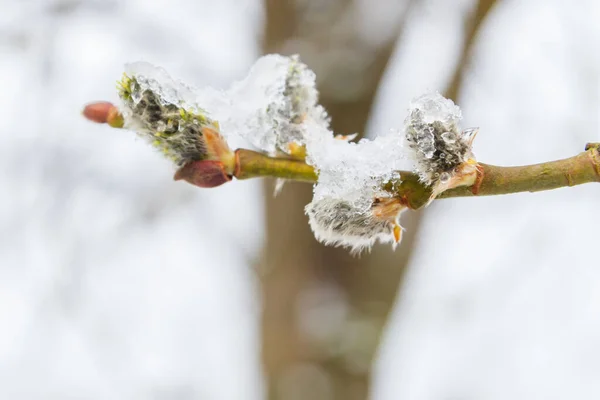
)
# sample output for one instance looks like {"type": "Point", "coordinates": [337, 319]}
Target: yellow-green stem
{"type": "Point", "coordinates": [573, 171]}
{"type": "Point", "coordinates": [494, 180]}
{"type": "Point", "coordinates": [252, 164]}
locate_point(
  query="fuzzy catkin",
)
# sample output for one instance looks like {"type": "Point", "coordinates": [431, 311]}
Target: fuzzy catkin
{"type": "Point", "coordinates": [432, 133]}
{"type": "Point", "coordinates": [337, 222]}
{"type": "Point", "coordinates": [174, 129]}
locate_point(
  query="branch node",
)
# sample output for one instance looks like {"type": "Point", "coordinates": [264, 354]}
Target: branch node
{"type": "Point", "coordinates": [478, 180]}
{"type": "Point", "coordinates": [237, 164]}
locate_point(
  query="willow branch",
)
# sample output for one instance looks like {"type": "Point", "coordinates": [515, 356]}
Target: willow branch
{"type": "Point", "coordinates": [252, 164]}
{"type": "Point", "coordinates": [492, 180]}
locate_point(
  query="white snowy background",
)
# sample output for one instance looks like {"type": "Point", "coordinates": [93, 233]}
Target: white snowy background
{"type": "Point", "coordinates": [116, 282]}
{"type": "Point", "coordinates": [502, 299]}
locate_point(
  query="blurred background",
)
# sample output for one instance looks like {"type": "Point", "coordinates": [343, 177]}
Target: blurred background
{"type": "Point", "coordinates": [118, 283]}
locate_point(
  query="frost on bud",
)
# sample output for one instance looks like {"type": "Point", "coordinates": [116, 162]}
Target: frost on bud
{"type": "Point", "coordinates": [338, 222]}
{"type": "Point", "coordinates": [350, 208]}
{"type": "Point", "coordinates": [273, 107]}
{"type": "Point", "coordinates": [273, 104]}
{"type": "Point", "coordinates": [442, 152]}
{"type": "Point", "coordinates": [164, 112]}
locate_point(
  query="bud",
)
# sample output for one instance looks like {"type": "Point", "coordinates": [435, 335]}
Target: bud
{"type": "Point", "coordinates": [161, 113]}
{"type": "Point", "coordinates": [104, 112]}
{"type": "Point", "coordinates": [297, 151]}
{"type": "Point", "coordinates": [204, 174]}
{"type": "Point", "coordinates": [298, 102]}
{"type": "Point", "coordinates": [443, 154]}
{"type": "Point", "coordinates": [276, 106]}
{"type": "Point", "coordinates": [340, 223]}
{"type": "Point", "coordinates": [273, 106]}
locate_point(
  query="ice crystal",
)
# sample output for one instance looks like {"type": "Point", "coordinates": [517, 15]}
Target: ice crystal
{"type": "Point", "coordinates": [354, 171]}
{"type": "Point", "coordinates": [158, 81]}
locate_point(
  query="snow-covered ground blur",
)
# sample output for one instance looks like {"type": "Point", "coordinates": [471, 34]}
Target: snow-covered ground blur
{"type": "Point", "coordinates": [116, 283]}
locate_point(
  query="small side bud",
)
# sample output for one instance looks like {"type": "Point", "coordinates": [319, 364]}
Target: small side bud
{"type": "Point", "coordinates": [590, 146]}
{"type": "Point", "coordinates": [204, 174]}
{"type": "Point", "coordinates": [217, 148]}
{"type": "Point", "coordinates": [297, 151]}
{"type": "Point", "coordinates": [104, 112]}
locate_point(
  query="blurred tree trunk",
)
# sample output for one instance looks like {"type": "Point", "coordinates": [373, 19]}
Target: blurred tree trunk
{"type": "Point", "coordinates": [323, 310]}
{"type": "Point", "coordinates": [482, 10]}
